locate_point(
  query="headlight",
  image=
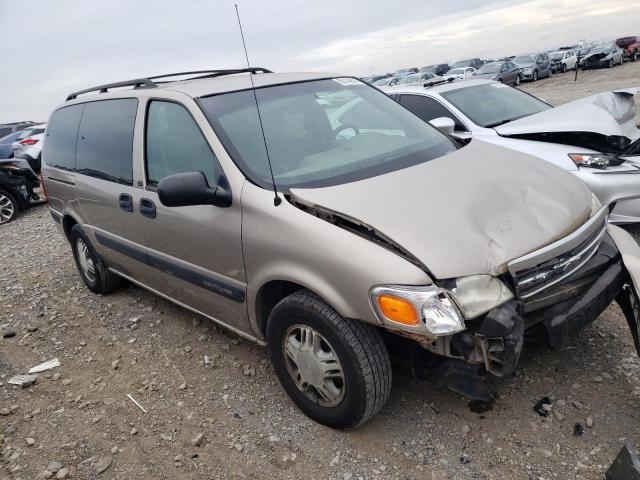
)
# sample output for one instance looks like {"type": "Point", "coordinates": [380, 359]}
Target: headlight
{"type": "Point", "coordinates": [478, 294]}
{"type": "Point", "coordinates": [428, 310]}
{"type": "Point", "coordinates": [592, 160]}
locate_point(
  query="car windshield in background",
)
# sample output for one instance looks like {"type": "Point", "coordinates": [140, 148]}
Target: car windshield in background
{"type": "Point", "coordinates": [409, 79]}
{"type": "Point", "coordinates": [462, 63]}
{"type": "Point", "coordinates": [494, 104]}
{"type": "Point", "coordinates": [524, 59]}
{"type": "Point", "coordinates": [600, 50]}
{"type": "Point", "coordinates": [489, 68]}
{"type": "Point", "coordinates": [456, 71]}
{"type": "Point", "coordinates": [431, 69]}
{"type": "Point", "coordinates": [382, 82]}
{"type": "Point", "coordinates": [556, 56]}
{"type": "Point", "coordinates": [313, 142]}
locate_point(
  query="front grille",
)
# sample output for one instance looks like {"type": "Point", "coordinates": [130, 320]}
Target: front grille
{"type": "Point", "coordinates": [540, 270]}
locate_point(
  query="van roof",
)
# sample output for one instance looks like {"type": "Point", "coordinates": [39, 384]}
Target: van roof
{"type": "Point", "coordinates": [209, 82]}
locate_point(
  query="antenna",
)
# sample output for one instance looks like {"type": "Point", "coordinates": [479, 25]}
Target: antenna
{"type": "Point", "coordinates": [276, 200]}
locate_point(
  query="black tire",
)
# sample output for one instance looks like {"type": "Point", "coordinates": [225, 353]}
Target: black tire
{"type": "Point", "coordinates": [105, 281]}
{"type": "Point", "coordinates": [10, 217]}
{"type": "Point", "coordinates": [634, 57]}
{"type": "Point", "coordinates": [610, 64]}
{"type": "Point", "coordinates": [535, 76]}
{"type": "Point", "coordinates": [518, 80]}
{"type": "Point", "coordinates": [359, 348]}
{"type": "Point", "coordinates": [564, 67]}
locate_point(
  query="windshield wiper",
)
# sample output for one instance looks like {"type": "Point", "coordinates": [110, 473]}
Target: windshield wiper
{"type": "Point", "coordinates": [502, 122]}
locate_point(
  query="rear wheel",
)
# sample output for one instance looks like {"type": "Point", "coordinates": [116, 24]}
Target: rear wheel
{"type": "Point", "coordinates": [337, 371]}
{"type": "Point", "coordinates": [90, 265]}
{"type": "Point", "coordinates": [634, 57]}
{"type": "Point", "coordinates": [9, 209]}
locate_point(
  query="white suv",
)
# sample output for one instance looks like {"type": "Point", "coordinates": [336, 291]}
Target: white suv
{"type": "Point", "coordinates": [29, 145]}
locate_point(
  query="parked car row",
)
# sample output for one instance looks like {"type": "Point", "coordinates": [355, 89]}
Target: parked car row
{"type": "Point", "coordinates": [531, 66]}
{"type": "Point", "coordinates": [20, 157]}
{"type": "Point", "coordinates": [332, 223]}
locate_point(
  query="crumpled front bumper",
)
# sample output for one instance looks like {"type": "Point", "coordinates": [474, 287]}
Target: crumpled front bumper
{"type": "Point", "coordinates": [556, 316]}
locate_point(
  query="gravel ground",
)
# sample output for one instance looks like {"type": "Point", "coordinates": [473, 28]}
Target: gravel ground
{"type": "Point", "coordinates": [214, 408]}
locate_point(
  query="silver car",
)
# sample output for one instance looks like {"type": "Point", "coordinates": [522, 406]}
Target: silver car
{"type": "Point", "coordinates": [331, 235]}
{"type": "Point", "coordinates": [594, 138]}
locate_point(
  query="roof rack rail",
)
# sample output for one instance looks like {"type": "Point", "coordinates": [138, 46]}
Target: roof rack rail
{"type": "Point", "coordinates": [152, 82]}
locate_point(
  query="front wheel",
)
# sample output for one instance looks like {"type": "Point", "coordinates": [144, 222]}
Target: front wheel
{"type": "Point", "coordinates": [9, 208]}
{"type": "Point", "coordinates": [337, 371]}
{"type": "Point", "coordinates": [517, 82]}
{"type": "Point", "coordinates": [610, 64]}
{"type": "Point", "coordinates": [535, 75]}
{"type": "Point", "coordinates": [634, 57]}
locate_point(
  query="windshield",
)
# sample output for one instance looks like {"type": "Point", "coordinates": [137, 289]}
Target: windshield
{"type": "Point", "coordinates": [312, 143]}
{"type": "Point", "coordinates": [409, 79]}
{"type": "Point", "coordinates": [489, 68]}
{"type": "Point", "coordinates": [382, 82]}
{"type": "Point", "coordinates": [456, 71]}
{"type": "Point", "coordinates": [557, 56]}
{"type": "Point", "coordinates": [524, 59]}
{"type": "Point", "coordinates": [431, 69]}
{"type": "Point", "coordinates": [600, 50]}
{"type": "Point", "coordinates": [494, 104]}
{"type": "Point", "coordinates": [461, 63]}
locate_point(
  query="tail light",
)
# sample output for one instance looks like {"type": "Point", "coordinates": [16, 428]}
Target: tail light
{"type": "Point", "coordinates": [28, 141]}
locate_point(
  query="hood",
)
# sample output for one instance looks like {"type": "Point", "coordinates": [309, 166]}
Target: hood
{"type": "Point", "coordinates": [603, 122]}
{"type": "Point", "coordinates": [469, 212]}
{"type": "Point", "coordinates": [525, 65]}
{"type": "Point", "coordinates": [486, 76]}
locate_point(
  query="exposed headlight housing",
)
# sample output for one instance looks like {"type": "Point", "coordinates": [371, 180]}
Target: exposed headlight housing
{"type": "Point", "coordinates": [592, 160]}
{"type": "Point", "coordinates": [429, 310]}
{"type": "Point", "coordinates": [477, 294]}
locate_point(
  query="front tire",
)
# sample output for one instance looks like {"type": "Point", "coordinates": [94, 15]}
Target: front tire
{"type": "Point", "coordinates": [91, 266]}
{"type": "Point", "coordinates": [517, 82]}
{"type": "Point", "coordinates": [9, 208]}
{"type": "Point", "coordinates": [337, 371]}
{"type": "Point", "coordinates": [535, 75]}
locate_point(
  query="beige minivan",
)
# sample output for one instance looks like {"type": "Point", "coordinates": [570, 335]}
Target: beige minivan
{"type": "Point", "coordinates": [314, 214]}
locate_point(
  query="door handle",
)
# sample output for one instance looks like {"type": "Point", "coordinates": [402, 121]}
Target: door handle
{"type": "Point", "coordinates": [126, 202]}
{"type": "Point", "coordinates": [147, 208]}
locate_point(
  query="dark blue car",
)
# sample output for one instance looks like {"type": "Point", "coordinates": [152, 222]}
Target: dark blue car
{"type": "Point", "coordinates": [5, 145]}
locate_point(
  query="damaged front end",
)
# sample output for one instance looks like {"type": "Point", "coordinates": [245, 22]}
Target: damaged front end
{"type": "Point", "coordinates": [558, 290]}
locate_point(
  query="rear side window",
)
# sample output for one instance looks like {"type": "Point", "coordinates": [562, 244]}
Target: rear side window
{"type": "Point", "coordinates": [62, 134]}
{"type": "Point", "coordinates": [105, 140]}
{"type": "Point", "coordinates": [429, 109]}
{"type": "Point", "coordinates": [175, 144]}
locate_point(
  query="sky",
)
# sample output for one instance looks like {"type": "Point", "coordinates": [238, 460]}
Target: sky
{"type": "Point", "coordinates": [51, 48]}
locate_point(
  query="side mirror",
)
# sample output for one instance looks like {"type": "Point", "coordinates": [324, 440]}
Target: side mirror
{"type": "Point", "coordinates": [444, 124]}
{"type": "Point", "coordinates": [192, 188]}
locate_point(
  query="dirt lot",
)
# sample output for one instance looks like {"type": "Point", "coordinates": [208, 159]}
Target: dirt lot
{"type": "Point", "coordinates": [227, 417]}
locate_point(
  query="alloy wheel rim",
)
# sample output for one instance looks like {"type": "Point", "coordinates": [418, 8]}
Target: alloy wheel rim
{"type": "Point", "coordinates": [85, 260]}
{"type": "Point", "coordinates": [7, 209]}
{"type": "Point", "coordinates": [313, 365]}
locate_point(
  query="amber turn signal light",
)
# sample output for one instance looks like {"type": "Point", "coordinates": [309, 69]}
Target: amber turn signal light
{"type": "Point", "coordinates": [398, 310]}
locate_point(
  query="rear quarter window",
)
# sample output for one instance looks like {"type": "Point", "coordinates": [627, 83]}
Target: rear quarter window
{"type": "Point", "coordinates": [105, 140]}
{"type": "Point", "coordinates": [62, 133]}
